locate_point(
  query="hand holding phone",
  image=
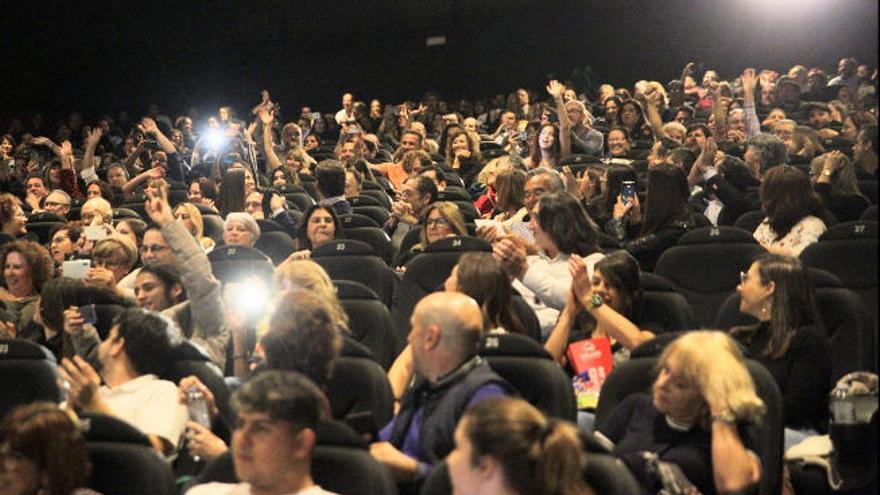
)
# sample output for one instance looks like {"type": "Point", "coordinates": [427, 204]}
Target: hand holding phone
{"type": "Point", "coordinates": [76, 269]}
{"type": "Point", "coordinates": [628, 191]}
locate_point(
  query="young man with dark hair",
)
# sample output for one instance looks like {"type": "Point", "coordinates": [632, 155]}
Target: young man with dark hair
{"type": "Point", "coordinates": [130, 358]}
{"type": "Point", "coordinates": [865, 153]}
{"type": "Point", "coordinates": [278, 414]}
{"type": "Point", "coordinates": [330, 176]}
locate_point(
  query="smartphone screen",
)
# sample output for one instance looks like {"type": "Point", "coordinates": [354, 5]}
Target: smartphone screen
{"type": "Point", "coordinates": [628, 191]}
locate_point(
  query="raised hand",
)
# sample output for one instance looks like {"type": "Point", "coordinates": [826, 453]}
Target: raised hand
{"type": "Point", "coordinates": [149, 125]}
{"type": "Point", "coordinates": [266, 116]}
{"type": "Point", "coordinates": [83, 381]}
{"type": "Point", "coordinates": [749, 81]}
{"type": "Point", "coordinates": [581, 285]}
{"type": "Point", "coordinates": [73, 320]}
{"type": "Point", "coordinates": [94, 136]}
{"type": "Point", "coordinates": [66, 148]}
{"type": "Point", "coordinates": [158, 209]}
{"type": "Point", "coordinates": [555, 88]}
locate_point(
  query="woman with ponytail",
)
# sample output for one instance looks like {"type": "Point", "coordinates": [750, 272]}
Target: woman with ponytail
{"type": "Point", "coordinates": [505, 446]}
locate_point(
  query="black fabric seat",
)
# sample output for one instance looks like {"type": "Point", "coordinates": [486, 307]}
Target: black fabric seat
{"type": "Point", "coordinates": [378, 213]}
{"type": "Point", "coordinates": [190, 359]}
{"type": "Point", "coordinates": [129, 469]}
{"type": "Point", "coordinates": [704, 267]}
{"type": "Point", "coordinates": [870, 214]}
{"type": "Point", "coordinates": [453, 194]}
{"type": "Point", "coordinates": [869, 189]}
{"type": "Point", "coordinates": [750, 220]}
{"type": "Point", "coordinates": [300, 200]}
{"type": "Point", "coordinates": [45, 216]}
{"type": "Point", "coordinates": [368, 320]}
{"type": "Point", "coordinates": [578, 159]}
{"type": "Point", "coordinates": [277, 245]}
{"type": "Point", "coordinates": [637, 375]}
{"type": "Point", "coordinates": [357, 221]}
{"type": "Point", "coordinates": [43, 230]}
{"type": "Point", "coordinates": [213, 227]}
{"type": "Point", "coordinates": [425, 273]}
{"type": "Point", "coordinates": [177, 196]}
{"type": "Point", "coordinates": [847, 324]}
{"type": "Point", "coordinates": [532, 372]}
{"type": "Point", "coordinates": [346, 259]}
{"type": "Point", "coordinates": [268, 225]}
{"type": "Point", "coordinates": [102, 428]}
{"type": "Point", "coordinates": [364, 200]}
{"type": "Point", "coordinates": [29, 374]}
{"type": "Point", "coordinates": [358, 386]}
{"type": "Point", "coordinates": [309, 185]}
{"type": "Point", "coordinates": [120, 213]}
{"type": "Point", "coordinates": [137, 208]}
{"type": "Point", "coordinates": [377, 194]}
{"type": "Point", "coordinates": [849, 250]}
{"type": "Point", "coordinates": [376, 238]}
{"type": "Point", "coordinates": [205, 209]}
{"type": "Point", "coordinates": [493, 153]}
{"type": "Point", "coordinates": [234, 263]}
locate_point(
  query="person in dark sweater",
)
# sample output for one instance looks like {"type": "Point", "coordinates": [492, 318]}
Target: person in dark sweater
{"type": "Point", "coordinates": [695, 418]}
{"type": "Point", "coordinates": [834, 180]}
{"type": "Point", "coordinates": [788, 340]}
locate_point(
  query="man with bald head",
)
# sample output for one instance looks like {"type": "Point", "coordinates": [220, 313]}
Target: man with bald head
{"type": "Point", "coordinates": [449, 377]}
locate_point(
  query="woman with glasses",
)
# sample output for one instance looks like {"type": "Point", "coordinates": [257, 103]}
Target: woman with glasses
{"type": "Point", "coordinates": [442, 220]}
{"type": "Point", "coordinates": [788, 339]}
{"type": "Point", "coordinates": [42, 451]}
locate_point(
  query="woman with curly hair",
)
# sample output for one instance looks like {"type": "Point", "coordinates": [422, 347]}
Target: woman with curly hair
{"type": "Point", "coordinates": [26, 267]}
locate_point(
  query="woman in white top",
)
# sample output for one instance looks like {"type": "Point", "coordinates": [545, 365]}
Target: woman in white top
{"type": "Point", "coordinates": [791, 206]}
{"type": "Point", "coordinates": [561, 228]}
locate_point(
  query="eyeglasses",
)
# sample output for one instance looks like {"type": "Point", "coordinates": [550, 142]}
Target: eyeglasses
{"type": "Point", "coordinates": [153, 248]}
{"type": "Point", "coordinates": [54, 204]}
{"type": "Point", "coordinates": [743, 277]}
{"type": "Point", "coordinates": [182, 216]}
{"type": "Point", "coordinates": [534, 193]}
{"type": "Point", "coordinates": [437, 222]}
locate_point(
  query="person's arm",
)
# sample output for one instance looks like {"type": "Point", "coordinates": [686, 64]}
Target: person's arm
{"type": "Point", "coordinates": [556, 90]}
{"type": "Point", "coordinates": [68, 172]}
{"type": "Point", "coordinates": [87, 170]}
{"type": "Point", "coordinates": [557, 341]}
{"type": "Point", "coordinates": [175, 172]}
{"type": "Point", "coordinates": [266, 118]}
{"type": "Point", "coordinates": [704, 163]}
{"type": "Point", "coordinates": [137, 180]}
{"type": "Point", "coordinates": [614, 324]}
{"type": "Point", "coordinates": [734, 468]}
{"type": "Point", "coordinates": [203, 290]}
{"type": "Point", "coordinates": [652, 114]}
{"type": "Point", "coordinates": [809, 379]}
{"type": "Point", "coordinates": [720, 107]}
{"type": "Point", "coordinates": [749, 83]}
{"type": "Point", "coordinates": [131, 159]}
{"type": "Point", "coordinates": [400, 374]}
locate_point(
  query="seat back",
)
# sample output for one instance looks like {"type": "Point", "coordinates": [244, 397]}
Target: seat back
{"type": "Point", "coordinates": [231, 263]}
{"type": "Point", "coordinates": [29, 372]}
{"type": "Point", "coordinates": [360, 385]}
{"type": "Point", "coordinates": [870, 214]}
{"type": "Point", "coordinates": [532, 373]}
{"type": "Point", "coordinates": [750, 220]}
{"type": "Point", "coordinates": [637, 375]}
{"type": "Point", "coordinates": [704, 267]}
{"type": "Point", "coordinates": [376, 238]}
{"type": "Point", "coordinates": [276, 245]}
{"type": "Point", "coordinates": [43, 230]}
{"type": "Point", "coordinates": [356, 221]}
{"type": "Point", "coordinates": [189, 359]}
{"type": "Point", "coordinates": [379, 214]}
{"type": "Point", "coordinates": [368, 319]}
{"type": "Point", "coordinates": [379, 195]}
{"type": "Point", "coordinates": [300, 200]}
{"type": "Point", "coordinates": [663, 309]}
{"type": "Point", "coordinates": [849, 250]}
{"type": "Point", "coordinates": [346, 259]}
{"type": "Point", "coordinates": [129, 469]}
{"type": "Point", "coordinates": [213, 227]}
{"type": "Point", "coordinates": [425, 273]}
{"type": "Point", "coordinates": [137, 208]}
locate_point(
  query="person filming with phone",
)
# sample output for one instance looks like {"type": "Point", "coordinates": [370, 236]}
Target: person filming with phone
{"type": "Point", "coordinates": [666, 216]}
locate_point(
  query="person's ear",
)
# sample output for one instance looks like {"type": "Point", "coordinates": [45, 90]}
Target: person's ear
{"type": "Point", "coordinates": [770, 288]}
{"type": "Point", "coordinates": [304, 444]}
{"type": "Point", "coordinates": [431, 336]}
{"type": "Point", "coordinates": [488, 467]}
{"type": "Point", "coordinates": [176, 291]}
{"type": "Point", "coordinates": [117, 346]}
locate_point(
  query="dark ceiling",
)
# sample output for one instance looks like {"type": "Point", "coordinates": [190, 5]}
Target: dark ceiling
{"type": "Point", "coordinates": [104, 56]}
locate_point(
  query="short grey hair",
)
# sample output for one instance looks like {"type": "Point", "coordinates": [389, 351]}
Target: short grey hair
{"type": "Point", "coordinates": [770, 150]}
{"type": "Point", "coordinates": [246, 220]}
{"type": "Point", "coordinates": [63, 194]}
{"type": "Point", "coordinates": [556, 182]}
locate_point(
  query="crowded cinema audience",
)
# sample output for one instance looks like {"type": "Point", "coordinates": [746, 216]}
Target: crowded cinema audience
{"type": "Point", "coordinates": [378, 267]}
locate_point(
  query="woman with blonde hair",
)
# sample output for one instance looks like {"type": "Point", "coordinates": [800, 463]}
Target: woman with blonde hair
{"type": "Point", "coordinates": [442, 219]}
{"type": "Point", "coordinates": [702, 394]}
{"type": "Point", "coordinates": [506, 446]}
{"type": "Point", "coordinates": [191, 217]}
{"type": "Point", "coordinates": [308, 275]}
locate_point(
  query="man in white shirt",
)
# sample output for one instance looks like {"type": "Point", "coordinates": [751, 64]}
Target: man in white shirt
{"type": "Point", "coordinates": [346, 115]}
{"type": "Point", "coordinates": [131, 356]}
{"type": "Point", "coordinates": [278, 412]}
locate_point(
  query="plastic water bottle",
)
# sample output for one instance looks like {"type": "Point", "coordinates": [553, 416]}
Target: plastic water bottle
{"type": "Point", "coordinates": [843, 410]}
{"type": "Point", "coordinates": [197, 408]}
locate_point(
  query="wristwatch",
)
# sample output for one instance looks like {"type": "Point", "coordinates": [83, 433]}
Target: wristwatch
{"type": "Point", "coordinates": [594, 302]}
